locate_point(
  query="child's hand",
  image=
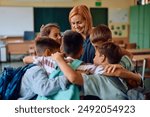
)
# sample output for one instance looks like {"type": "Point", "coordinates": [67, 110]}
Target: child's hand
{"type": "Point", "coordinates": [57, 56]}
{"type": "Point", "coordinates": [110, 68]}
{"type": "Point", "coordinates": [116, 73]}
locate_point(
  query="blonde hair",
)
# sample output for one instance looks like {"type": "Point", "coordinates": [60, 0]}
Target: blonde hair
{"type": "Point", "coordinates": [84, 12]}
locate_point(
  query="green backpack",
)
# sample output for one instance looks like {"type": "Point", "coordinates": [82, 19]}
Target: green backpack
{"type": "Point", "coordinates": [71, 93]}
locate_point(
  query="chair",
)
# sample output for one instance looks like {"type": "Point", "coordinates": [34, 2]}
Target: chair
{"type": "Point", "coordinates": [118, 41]}
{"type": "Point", "coordinates": [147, 68]}
{"type": "Point", "coordinates": [146, 77]}
{"type": "Point", "coordinates": [131, 46]}
{"type": "Point", "coordinates": [29, 35]}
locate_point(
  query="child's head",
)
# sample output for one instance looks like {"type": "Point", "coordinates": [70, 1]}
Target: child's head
{"type": "Point", "coordinates": [52, 31]}
{"type": "Point", "coordinates": [72, 44]}
{"type": "Point", "coordinates": [100, 34]}
{"type": "Point", "coordinates": [46, 46]}
{"type": "Point", "coordinates": [108, 52]}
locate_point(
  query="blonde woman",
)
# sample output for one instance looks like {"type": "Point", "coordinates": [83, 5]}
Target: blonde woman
{"type": "Point", "coordinates": [81, 21]}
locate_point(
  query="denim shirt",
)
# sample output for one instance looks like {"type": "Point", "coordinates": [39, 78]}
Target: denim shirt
{"type": "Point", "coordinates": [89, 51]}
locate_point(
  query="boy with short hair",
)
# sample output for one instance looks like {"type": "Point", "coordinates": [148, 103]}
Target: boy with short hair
{"type": "Point", "coordinates": [101, 34]}
{"type": "Point", "coordinates": [44, 48]}
{"type": "Point", "coordinates": [36, 80]}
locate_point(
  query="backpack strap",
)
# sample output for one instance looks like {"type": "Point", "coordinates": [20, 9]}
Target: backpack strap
{"type": "Point", "coordinates": [76, 63]}
{"type": "Point", "coordinates": [118, 84]}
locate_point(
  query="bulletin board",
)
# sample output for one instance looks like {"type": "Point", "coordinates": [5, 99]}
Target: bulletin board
{"type": "Point", "coordinates": [119, 21]}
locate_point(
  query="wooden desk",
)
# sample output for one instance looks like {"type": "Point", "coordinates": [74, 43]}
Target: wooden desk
{"type": "Point", "coordinates": [140, 57]}
{"type": "Point", "coordinates": [139, 51]}
{"type": "Point", "coordinates": [18, 47]}
{"type": "Point", "coordinates": [140, 61]}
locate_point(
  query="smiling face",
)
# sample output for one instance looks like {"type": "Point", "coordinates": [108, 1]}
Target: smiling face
{"type": "Point", "coordinates": [78, 24]}
{"type": "Point", "coordinates": [55, 34]}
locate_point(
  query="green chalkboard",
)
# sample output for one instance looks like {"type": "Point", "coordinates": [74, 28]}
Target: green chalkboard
{"type": "Point", "coordinates": [44, 15]}
{"type": "Point", "coordinates": [51, 15]}
{"type": "Point", "coordinates": [99, 15]}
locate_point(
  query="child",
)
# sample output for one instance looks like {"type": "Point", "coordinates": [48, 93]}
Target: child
{"type": "Point", "coordinates": [101, 34]}
{"type": "Point", "coordinates": [52, 31]}
{"type": "Point", "coordinates": [98, 85]}
{"type": "Point", "coordinates": [35, 82]}
{"type": "Point", "coordinates": [49, 30]}
{"type": "Point", "coordinates": [72, 47]}
{"type": "Point", "coordinates": [44, 47]}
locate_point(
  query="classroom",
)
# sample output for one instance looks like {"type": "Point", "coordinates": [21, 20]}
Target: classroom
{"type": "Point", "coordinates": [128, 20]}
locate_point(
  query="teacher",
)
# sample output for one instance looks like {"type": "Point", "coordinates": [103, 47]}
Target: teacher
{"type": "Point", "coordinates": [81, 21]}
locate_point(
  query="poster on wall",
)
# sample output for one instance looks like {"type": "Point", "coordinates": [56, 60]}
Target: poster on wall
{"type": "Point", "coordinates": [119, 21]}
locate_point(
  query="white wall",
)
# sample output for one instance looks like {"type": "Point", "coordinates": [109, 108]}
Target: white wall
{"type": "Point", "coordinates": [90, 3]}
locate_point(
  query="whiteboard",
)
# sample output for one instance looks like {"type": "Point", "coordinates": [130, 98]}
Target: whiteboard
{"type": "Point", "coordinates": [15, 20]}
{"type": "Point", "coordinates": [118, 15]}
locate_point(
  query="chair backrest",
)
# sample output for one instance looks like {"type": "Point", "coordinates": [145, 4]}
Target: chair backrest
{"type": "Point", "coordinates": [29, 35]}
{"type": "Point", "coordinates": [147, 68]}
{"type": "Point", "coordinates": [143, 69]}
{"type": "Point", "coordinates": [131, 46]}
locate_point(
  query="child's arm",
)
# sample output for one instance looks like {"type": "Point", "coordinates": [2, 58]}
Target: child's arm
{"type": "Point", "coordinates": [71, 75]}
{"type": "Point", "coordinates": [127, 75]}
{"type": "Point", "coordinates": [28, 59]}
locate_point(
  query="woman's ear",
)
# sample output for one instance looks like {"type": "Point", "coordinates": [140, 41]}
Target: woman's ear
{"type": "Point", "coordinates": [47, 52]}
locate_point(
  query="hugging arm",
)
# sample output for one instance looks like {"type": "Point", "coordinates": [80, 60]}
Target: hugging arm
{"type": "Point", "coordinates": [73, 76]}
{"type": "Point", "coordinates": [28, 59]}
{"type": "Point", "coordinates": [44, 86]}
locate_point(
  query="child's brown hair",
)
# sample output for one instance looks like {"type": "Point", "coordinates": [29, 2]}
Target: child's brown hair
{"type": "Point", "coordinates": [100, 34]}
{"type": "Point", "coordinates": [46, 29]}
{"type": "Point", "coordinates": [111, 51]}
{"type": "Point", "coordinates": [44, 43]}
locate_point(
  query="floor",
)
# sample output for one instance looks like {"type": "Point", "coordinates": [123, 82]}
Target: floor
{"type": "Point", "coordinates": [16, 61]}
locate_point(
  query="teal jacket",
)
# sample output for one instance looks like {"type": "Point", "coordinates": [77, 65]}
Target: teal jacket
{"type": "Point", "coordinates": [71, 93]}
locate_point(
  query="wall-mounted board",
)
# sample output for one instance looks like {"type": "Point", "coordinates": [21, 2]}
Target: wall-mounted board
{"type": "Point", "coordinates": [15, 20]}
